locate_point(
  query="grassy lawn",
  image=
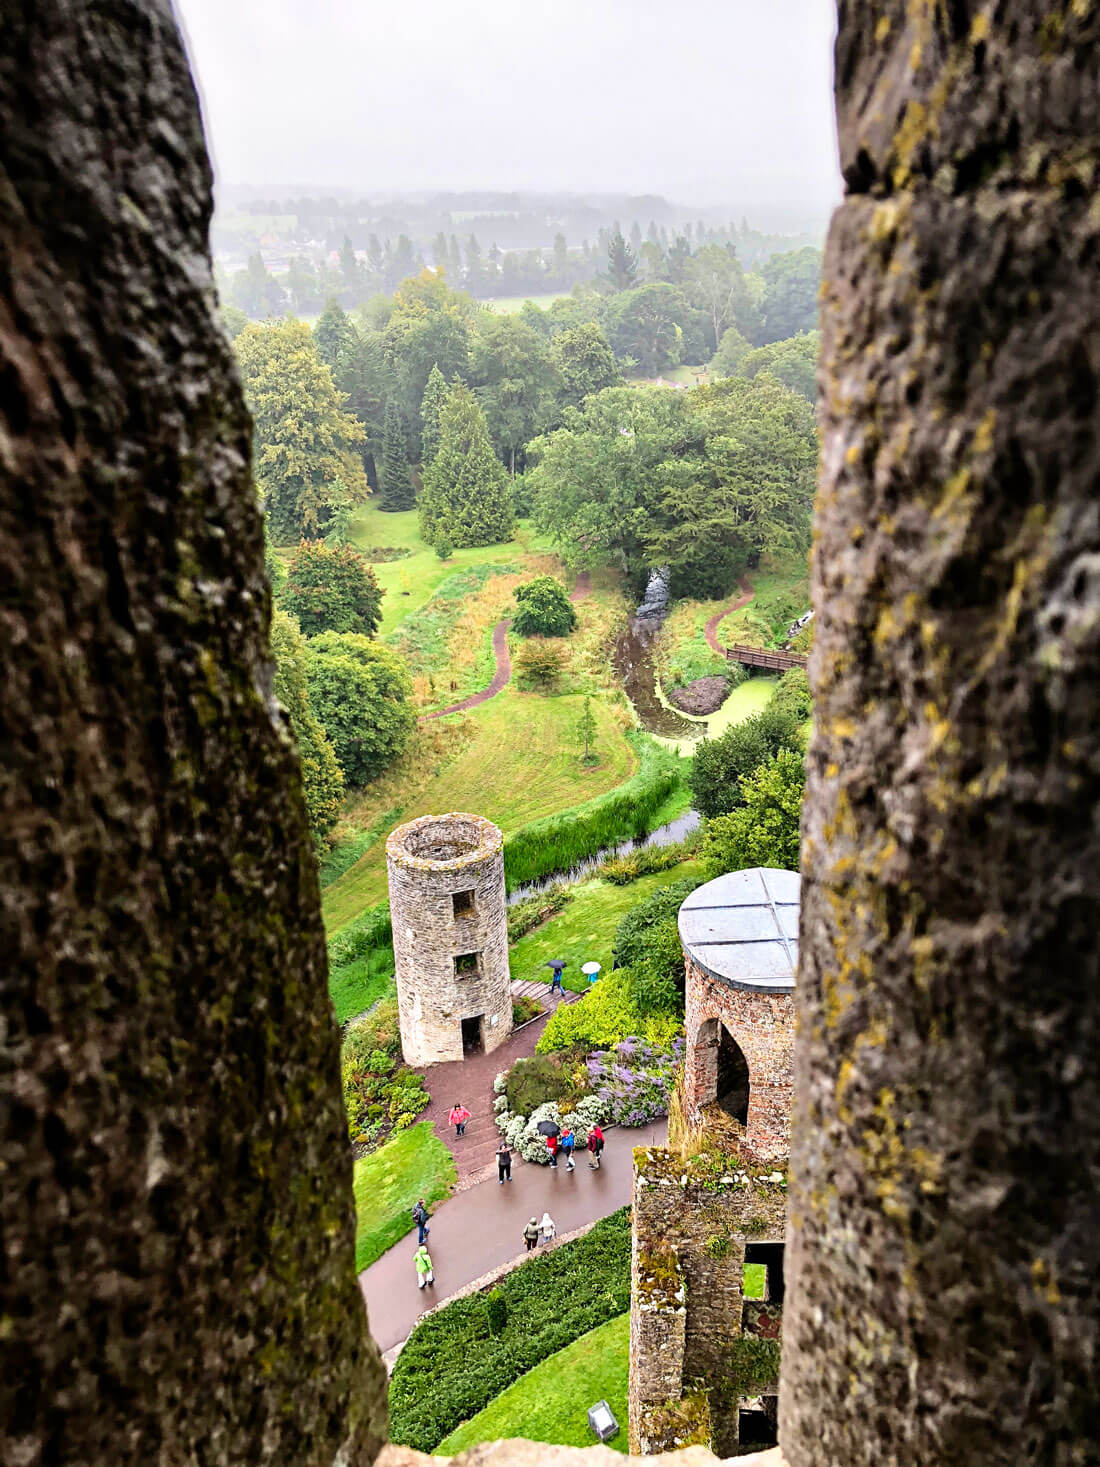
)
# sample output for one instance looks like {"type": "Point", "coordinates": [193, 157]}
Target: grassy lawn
{"type": "Point", "coordinates": [509, 305]}
{"type": "Point", "coordinates": [585, 929]}
{"type": "Point", "coordinates": [781, 594]}
{"type": "Point", "coordinates": [357, 985]}
{"type": "Point", "coordinates": [550, 1403]}
{"type": "Point", "coordinates": [755, 1280]}
{"type": "Point", "coordinates": [519, 762]}
{"type": "Point", "coordinates": [415, 1163]}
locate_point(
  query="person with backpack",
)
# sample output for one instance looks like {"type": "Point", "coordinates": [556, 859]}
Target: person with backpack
{"type": "Point", "coordinates": [548, 1228]}
{"type": "Point", "coordinates": [568, 1141]}
{"type": "Point", "coordinates": [420, 1217]}
{"type": "Point", "coordinates": [595, 1146]}
{"type": "Point", "coordinates": [425, 1274]}
{"type": "Point", "coordinates": [458, 1117]}
{"type": "Point", "coordinates": [504, 1163]}
{"type": "Point", "coordinates": [531, 1233]}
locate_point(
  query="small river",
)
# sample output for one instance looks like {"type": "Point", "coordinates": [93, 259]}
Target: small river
{"type": "Point", "coordinates": [636, 668]}
{"type": "Point", "coordinates": [664, 835]}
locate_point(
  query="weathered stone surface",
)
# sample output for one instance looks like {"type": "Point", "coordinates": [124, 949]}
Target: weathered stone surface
{"type": "Point", "coordinates": [177, 1280]}
{"type": "Point", "coordinates": [1002, 93]}
{"type": "Point", "coordinates": [448, 903]}
{"type": "Point", "coordinates": [945, 1304]}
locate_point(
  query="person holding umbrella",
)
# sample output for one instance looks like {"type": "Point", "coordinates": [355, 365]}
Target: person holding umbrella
{"type": "Point", "coordinates": [592, 970]}
{"type": "Point", "coordinates": [556, 965]}
{"type": "Point", "coordinates": [551, 1130]}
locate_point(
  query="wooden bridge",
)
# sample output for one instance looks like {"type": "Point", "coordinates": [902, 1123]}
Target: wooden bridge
{"type": "Point", "coordinates": [757, 657]}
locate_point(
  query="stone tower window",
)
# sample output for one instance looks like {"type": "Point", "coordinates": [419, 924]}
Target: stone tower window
{"type": "Point", "coordinates": [463, 903]}
{"type": "Point", "coordinates": [465, 964]}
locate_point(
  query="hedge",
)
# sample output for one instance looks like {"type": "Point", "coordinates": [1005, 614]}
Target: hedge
{"type": "Point", "coordinates": [454, 1363]}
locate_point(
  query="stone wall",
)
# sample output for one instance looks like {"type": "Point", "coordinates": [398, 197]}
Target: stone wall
{"type": "Point", "coordinates": [686, 1295]}
{"type": "Point", "coordinates": [177, 1278]}
{"type": "Point", "coordinates": [428, 862]}
{"type": "Point", "coordinates": [943, 1294]}
{"type": "Point", "coordinates": [763, 1026]}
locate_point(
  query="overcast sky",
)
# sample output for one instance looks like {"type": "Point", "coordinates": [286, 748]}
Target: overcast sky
{"type": "Point", "coordinates": [704, 101]}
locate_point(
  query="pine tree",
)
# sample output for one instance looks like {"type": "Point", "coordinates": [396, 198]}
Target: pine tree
{"type": "Point", "coordinates": [335, 337]}
{"type": "Point", "coordinates": [397, 487]}
{"type": "Point", "coordinates": [622, 263]}
{"type": "Point", "coordinates": [467, 495]}
{"type": "Point", "coordinates": [431, 405]}
{"type": "Point", "coordinates": [586, 731]}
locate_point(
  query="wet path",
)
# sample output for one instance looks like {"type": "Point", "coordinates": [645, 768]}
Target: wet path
{"type": "Point", "coordinates": [710, 631]}
{"type": "Point", "coordinates": [482, 1228]}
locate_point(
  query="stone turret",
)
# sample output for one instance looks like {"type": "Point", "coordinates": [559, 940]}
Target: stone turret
{"type": "Point", "coordinates": [450, 936]}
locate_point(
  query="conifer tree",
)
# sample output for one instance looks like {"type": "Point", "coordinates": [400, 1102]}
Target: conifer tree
{"type": "Point", "coordinates": [397, 488]}
{"type": "Point", "coordinates": [431, 405]}
{"type": "Point", "coordinates": [467, 495]}
{"type": "Point", "coordinates": [322, 779]}
{"type": "Point", "coordinates": [622, 262]}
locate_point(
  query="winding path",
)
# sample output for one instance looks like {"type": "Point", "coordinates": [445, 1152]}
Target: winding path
{"type": "Point", "coordinates": [482, 1228]}
{"type": "Point", "coordinates": [710, 631]}
{"type": "Point", "coordinates": [504, 662]}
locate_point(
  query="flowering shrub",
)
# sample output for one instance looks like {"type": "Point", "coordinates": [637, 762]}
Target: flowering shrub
{"type": "Point", "coordinates": [609, 1014]}
{"type": "Point", "coordinates": [632, 1082]}
{"type": "Point", "coordinates": [522, 1132]}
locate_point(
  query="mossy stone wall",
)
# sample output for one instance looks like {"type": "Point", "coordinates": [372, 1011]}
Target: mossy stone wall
{"type": "Point", "coordinates": [177, 1282]}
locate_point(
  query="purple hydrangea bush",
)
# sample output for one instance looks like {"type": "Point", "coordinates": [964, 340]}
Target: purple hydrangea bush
{"type": "Point", "coordinates": [633, 1080]}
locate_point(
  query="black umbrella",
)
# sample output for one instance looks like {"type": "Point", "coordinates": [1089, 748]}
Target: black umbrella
{"type": "Point", "coordinates": [549, 1128]}
{"type": "Point", "coordinates": [556, 963]}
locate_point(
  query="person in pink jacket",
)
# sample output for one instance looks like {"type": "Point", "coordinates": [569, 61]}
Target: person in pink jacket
{"type": "Point", "coordinates": [458, 1117]}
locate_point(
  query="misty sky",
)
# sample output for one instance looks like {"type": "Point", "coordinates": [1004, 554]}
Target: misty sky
{"type": "Point", "coordinates": [705, 101]}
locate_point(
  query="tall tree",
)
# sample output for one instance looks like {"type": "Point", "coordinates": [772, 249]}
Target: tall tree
{"type": "Point", "coordinates": [352, 272]}
{"type": "Point", "coordinates": [514, 378]}
{"type": "Point", "coordinates": [332, 589]}
{"type": "Point", "coordinates": [397, 486]}
{"type": "Point", "coordinates": [335, 337]}
{"type": "Point", "coordinates": [360, 690]}
{"type": "Point", "coordinates": [792, 281]}
{"type": "Point", "coordinates": [306, 455]}
{"type": "Point", "coordinates": [466, 495]}
{"type": "Point", "coordinates": [322, 780]}
{"type": "Point", "coordinates": [431, 405]}
{"type": "Point", "coordinates": [716, 283]}
{"type": "Point", "coordinates": [622, 262]}
{"type": "Point", "coordinates": [585, 364]}
{"type": "Point", "coordinates": [643, 326]}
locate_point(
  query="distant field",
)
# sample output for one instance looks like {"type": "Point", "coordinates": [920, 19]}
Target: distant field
{"type": "Point", "coordinates": [508, 305]}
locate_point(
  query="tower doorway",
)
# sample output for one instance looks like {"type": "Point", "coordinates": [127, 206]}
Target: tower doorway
{"type": "Point", "coordinates": [733, 1077]}
{"type": "Point", "coordinates": [473, 1041]}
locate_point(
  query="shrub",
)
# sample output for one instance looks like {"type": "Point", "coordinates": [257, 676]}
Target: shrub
{"type": "Point", "coordinates": [532, 1082]}
{"type": "Point", "coordinates": [525, 915]}
{"type": "Point", "coordinates": [524, 1009]}
{"type": "Point", "coordinates": [607, 1015]}
{"type": "Point", "coordinates": [719, 764]}
{"type": "Point", "coordinates": [496, 1312]}
{"type": "Point", "coordinates": [644, 861]}
{"type": "Point", "coordinates": [331, 588]}
{"type": "Point", "coordinates": [453, 1364]}
{"type": "Point", "coordinates": [540, 663]}
{"type": "Point", "coordinates": [359, 692]}
{"type": "Point", "coordinates": [443, 547]}
{"type": "Point", "coordinates": [764, 831]}
{"type": "Point", "coordinates": [543, 609]}
{"type": "Point", "coordinates": [648, 933]}
{"type": "Point", "coordinates": [792, 696]}
{"type": "Point", "coordinates": [376, 1090]}
{"type": "Point", "coordinates": [633, 1081]}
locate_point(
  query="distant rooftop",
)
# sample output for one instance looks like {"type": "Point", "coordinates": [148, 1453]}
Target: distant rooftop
{"type": "Point", "coordinates": [742, 928]}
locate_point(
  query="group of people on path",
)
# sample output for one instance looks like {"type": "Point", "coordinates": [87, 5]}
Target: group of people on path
{"type": "Point", "coordinates": [536, 1231]}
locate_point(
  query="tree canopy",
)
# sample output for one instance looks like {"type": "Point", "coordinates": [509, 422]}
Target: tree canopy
{"type": "Point", "coordinates": [331, 588]}
{"type": "Point", "coordinates": [322, 781]}
{"type": "Point", "coordinates": [720, 764]}
{"type": "Point", "coordinates": [585, 363]}
{"type": "Point", "coordinates": [466, 493]}
{"type": "Point", "coordinates": [306, 453]}
{"type": "Point", "coordinates": [543, 609]}
{"type": "Point", "coordinates": [792, 281]}
{"type": "Point", "coordinates": [764, 830]}
{"type": "Point", "coordinates": [359, 690]}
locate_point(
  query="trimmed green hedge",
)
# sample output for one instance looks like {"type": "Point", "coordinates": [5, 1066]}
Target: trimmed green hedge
{"type": "Point", "coordinates": [454, 1364]}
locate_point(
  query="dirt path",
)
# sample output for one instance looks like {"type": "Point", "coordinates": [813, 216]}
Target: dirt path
{"type": "Point", "coordinates": [500, 677]}
{"type": "Point", "coordinates": [710, 631]}
{"type": "Point", "coordinates": [482, 1228]}
{"type": "Point", "coordinates": [504, 662]}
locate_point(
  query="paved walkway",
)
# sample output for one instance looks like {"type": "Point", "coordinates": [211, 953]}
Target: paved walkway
{"type": "Point", "coordinates": [482, 1228]}
{"type": "Point", "coordinates": [711, 629]}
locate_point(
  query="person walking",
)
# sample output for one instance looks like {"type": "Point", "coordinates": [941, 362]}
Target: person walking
{"type": "Point", "coordinates": [504, 1163]}
{"type": "Point", "coordinates": [595, 1146]}
{"type": "Point", "coordinates": [425, 1274]}
{"type": "Point", "coordinates": [568, 1141]}
{"type": "Point", "coordinates": [555, 982]}
{"type": "Point", "coordinates": [531, 1233]}
{"type": "Point", "coordinates": [547, 1228]}
{"type": "Point", "coordinates": [552, 1147]}
{"type": "Point", "coordinates": [458, 1117]}
{"type": "Point", "coordinates": [420, 1217]}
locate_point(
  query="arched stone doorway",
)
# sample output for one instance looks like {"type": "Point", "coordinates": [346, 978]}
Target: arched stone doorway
{"type": "Point", "coordinates": [721, 1070]}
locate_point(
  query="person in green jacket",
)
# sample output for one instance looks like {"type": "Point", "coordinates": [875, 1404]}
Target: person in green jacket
{"type": "Point", "coordinates": [424, 1272]}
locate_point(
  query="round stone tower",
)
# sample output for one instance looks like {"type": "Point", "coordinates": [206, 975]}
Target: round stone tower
{"type": "Point", "coordinates": [450, 936]}
{"type": "Point", "coordinates": [740, 939]}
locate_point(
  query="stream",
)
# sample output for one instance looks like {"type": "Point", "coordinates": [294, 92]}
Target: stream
{"type": "Point", "coordinates": [633, 661]}
{"type": "Point", "coordinates": [664, 835]}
